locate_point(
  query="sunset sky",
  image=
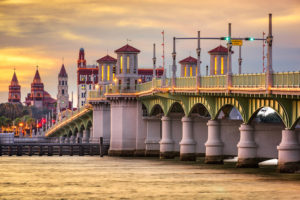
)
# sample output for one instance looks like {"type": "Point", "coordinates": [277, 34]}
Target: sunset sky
{"type": "Point", "coordinates": [39, 32]}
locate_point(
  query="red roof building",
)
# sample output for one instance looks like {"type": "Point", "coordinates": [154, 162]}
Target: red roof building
{"type": "Point", "coordinates": [218, 60]}
{"type": "Point", "coordinates": [146, 75]}
{"type": "Point", "coordinates": [188, 67]}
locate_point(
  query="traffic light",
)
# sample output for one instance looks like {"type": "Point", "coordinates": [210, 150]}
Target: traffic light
{"type": "Point", "coordinates": [250, 38]}
{"type": "Point", "coordinates": [225, 38]}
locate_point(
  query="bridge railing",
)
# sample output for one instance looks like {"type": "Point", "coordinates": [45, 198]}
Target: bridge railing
{"type": "Point", "coordinates": [217, 81]}
{"type": "Point", "coordinates": [249, 80]}
{"type": "Point", "coordinates": [145, 86]}
{"type": "Point", "coordinates": [185, 82]}
{"type": "Point", "coordinates": [286, 79]}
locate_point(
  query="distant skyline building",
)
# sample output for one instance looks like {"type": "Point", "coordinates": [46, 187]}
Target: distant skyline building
{"type": "Point", "coordinates": [14, 94]}
{"type": "Point", "coordinates": [62, 90]}
{"type": "Point", "coordinates": [87, 78]}
{"type": "Point", "coordinates": [38, 96]}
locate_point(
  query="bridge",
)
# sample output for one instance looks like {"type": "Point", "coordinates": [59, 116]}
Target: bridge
{"type": "Point", "coordinates": [212, 116]}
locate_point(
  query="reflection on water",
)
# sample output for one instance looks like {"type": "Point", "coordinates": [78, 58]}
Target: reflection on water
{"type": "Point", "coordinates": [116, 178]}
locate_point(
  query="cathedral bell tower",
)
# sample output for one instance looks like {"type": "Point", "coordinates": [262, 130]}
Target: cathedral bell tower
{"type": "Point", "coordinates": [14, 95]}
{"type": "Point", "coordinates": [62, 94]}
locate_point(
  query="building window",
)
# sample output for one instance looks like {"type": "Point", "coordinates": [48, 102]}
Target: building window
{"type": "Point", "coordinates": [216, 66]}
{"type": "Point", "coordinates": [222, 65]}
{"type": "Point", "coordinates": [62, 82]}
{"type": "Point", "coordinates": [83, 87]}
{"type": "Point", "coordinates": [102, 72]}
{"type": "Point", "coordinates": [82, 103]}
{"type": "Point", "coordinates": [121, 64]}
{"type": "Point", "coordinates": [185, 70]}
{"type": "Point", "coordinates": [191, 71]}
{"type": "Point", "coordinates": [90, 86]}
{"type": "Point", "coordinates": [108, 71]}
{"type": "Point", "coordinates": [128, 66]}
{"type": "Point", "coordinates": [63, 91]}
{"type": "Point", "coordinates": [82, 77]}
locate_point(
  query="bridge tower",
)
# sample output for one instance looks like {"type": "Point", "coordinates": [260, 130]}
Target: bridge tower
{"type": "Point", "coordinates": [127, 67]}
{"type": "Point", "coordinates": [188, 67]}
{"type": "Point", "coordinates": [14, 95]}
{"type": "Point", "coordinates": [107, 71]}
{"type": "Point", "coordinates": [124, 113]}
{"type": "Point", "coordinates": [62, 95]}
{"type": "Point", "coordinates": [218, 60]}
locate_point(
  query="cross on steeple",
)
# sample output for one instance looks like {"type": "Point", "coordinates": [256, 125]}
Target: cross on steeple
{"type": "Point", "coordinates": [128, 40]}
{"type": "Point", "coordinates": [37, 67]}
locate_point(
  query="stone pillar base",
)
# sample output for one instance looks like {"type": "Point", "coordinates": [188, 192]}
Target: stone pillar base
{"type": "Point", "coordinates": [152, 153]}
{"type": "Point", "coordinates": [188, 157]}
{"type": "Point", "coordinates": [139, 153]}
{"type": "Point", "coordinates": [121, 153]}
{"type": "Point", "coordinates": [167, 155]}
{"type": "Point", "coordinates": [213, 160]}
{"type": "Point", "coordinates": [290, 167]}
{"type": "Point", "coordinates": [247, 163]}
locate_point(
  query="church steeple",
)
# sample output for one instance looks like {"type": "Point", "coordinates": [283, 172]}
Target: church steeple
{"type": "Point", "coordinates": [62, 90]}
{"type": "Point", "coordinates": [14, 95]}
{"type": "Point", "coordinates": [37, 77]}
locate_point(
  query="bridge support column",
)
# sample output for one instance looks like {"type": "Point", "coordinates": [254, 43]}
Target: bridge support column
{"type": "Point", "coordinates": [187, 144]}
{"type": "Point", "coordinates": [101, 122]}
{"type": "Point", "coordinates": [72, 139]}
{"type": "Point", "coordinates": [67, 140]}
{"type": "Point", "coordinates": [61, 139]}
{"type": "Point", "coordinates": [153, 137]}
{"type": "Point", "coordinates": [214, 144]}
{"type": "Point", "coordinates": [123, 127]}
{"type": "Point", "coordinates": [166, 143]}
{"type": "Point", "coordinates": [289, 152]}
{"type": "Point", "coordinates": [78, 138]}
{"type": "Point", "coordinates": [85, 138]}
{"type": "Point", "coordinates": [247, 147]}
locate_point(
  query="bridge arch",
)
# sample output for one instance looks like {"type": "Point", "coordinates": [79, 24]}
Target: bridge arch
{"type": "Point", "coordinates": [156, 109]}
{"type": "Point", "coordinates": [255, 105]}
{"type": "Point", "coordinates": [176, 107]}
{"type": "Point", "coordinates": [295, 123]}
{"type": "Point", "coordinates": [199, 108]}
{"type": "Point", "coordinates": [226, 103]}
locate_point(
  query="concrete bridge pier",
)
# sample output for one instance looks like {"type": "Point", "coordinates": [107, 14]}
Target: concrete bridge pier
{"type": "Point", "coordinates": [214, 144]}
{"type": "Point", "coordinates": [167, 142]}
{"type": "Point", "coordinates": [289, 152]}
{"type": "Point", "coordinates": [101, 121]}
{"type": "Point", "coordinates": [85, 138]}
{"type": "Point", "coordinates": [61, 139]}
{"type": "Point", "coordinates": [153, 137]}
{"type": "Point", "coordinates": [78, 138]}
{"type": "Point", "coordinates": [72, 139]}
{"type": "Point", "coordinates": [123, 127]}
{"type": "Point", "coordinates": [67, 140]}
{"type": "Point", "coordinates": [247, 148]}
{"type": "Point", "coordinates": [187, 144]}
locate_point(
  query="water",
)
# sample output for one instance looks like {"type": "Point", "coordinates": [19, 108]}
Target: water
{"type": "Point", "coordinates": [132, 178]}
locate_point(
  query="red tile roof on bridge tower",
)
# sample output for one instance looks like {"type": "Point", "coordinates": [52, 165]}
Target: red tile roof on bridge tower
{"type": "Point", "coordinates": [107, 58]}
{"type": "Point", "coordinates": [62, 72]}
{"type": "Point", "coordinates": [219, 49]}
{"type": "Point", "coordinates": [189, 59]}
{"type": "Point", "coordinates": [127, 48]}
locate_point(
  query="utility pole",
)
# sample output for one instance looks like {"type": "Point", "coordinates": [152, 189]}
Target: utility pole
{"type": "Point", "coordinates": [229, 69]}
{"type": "Point", "coordinates": [174, 64]}
{"type": "Point", "coordinates": [198, 50]}
{"type": "Point", "coordinates": [154, 62]}
{"type": "Point", "coordinates": [240, 59]}
{"type": "Point", "coordinates": [269, 72]}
